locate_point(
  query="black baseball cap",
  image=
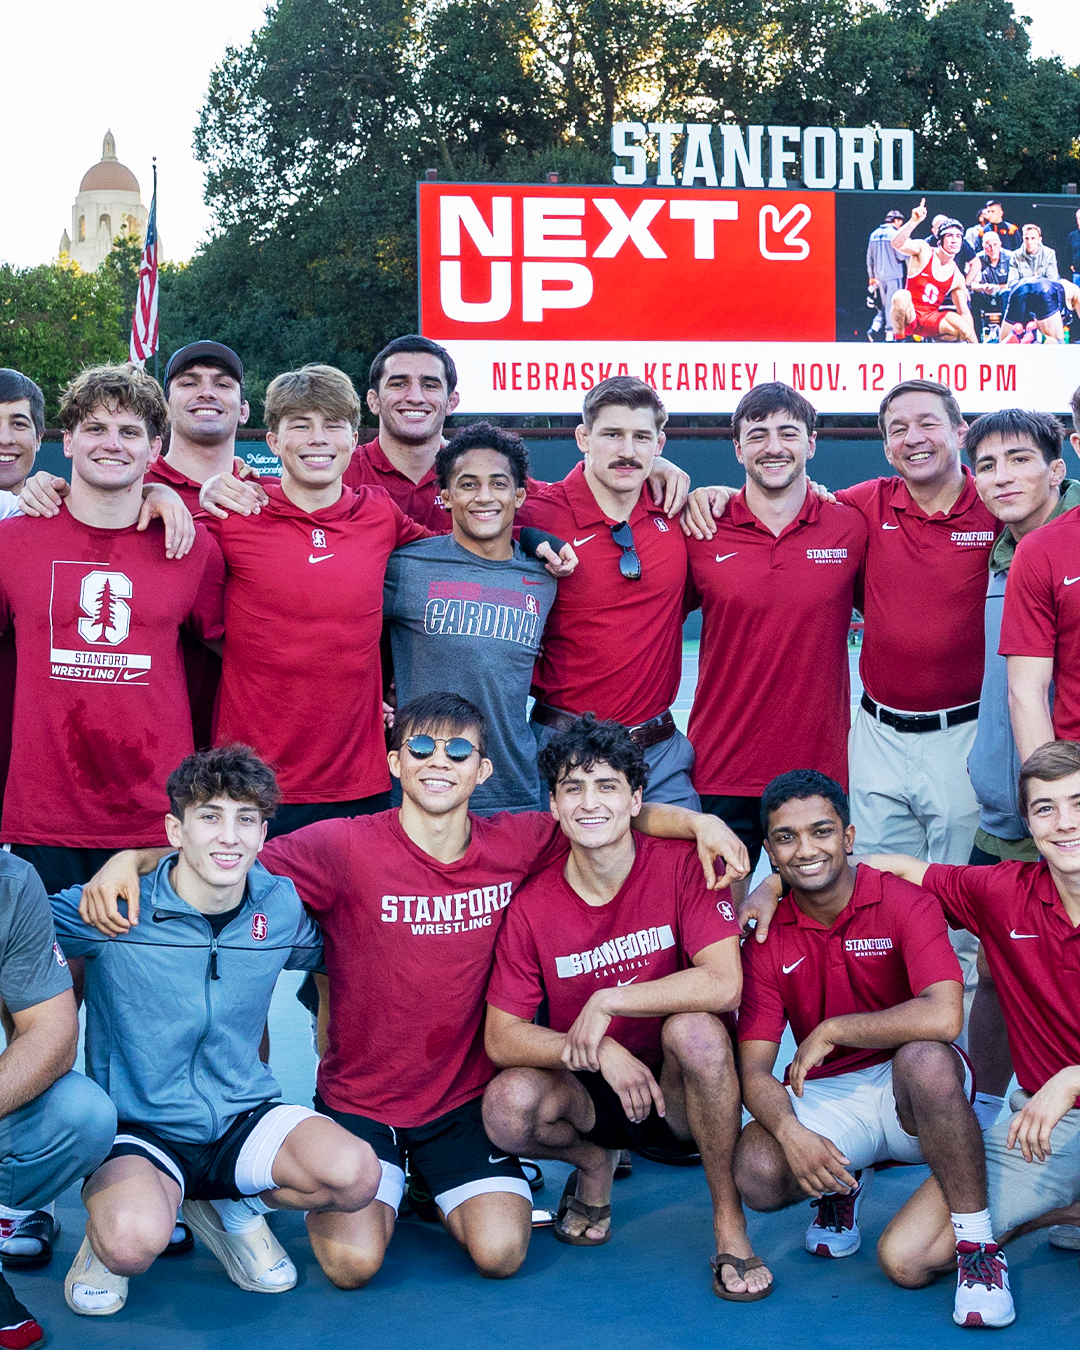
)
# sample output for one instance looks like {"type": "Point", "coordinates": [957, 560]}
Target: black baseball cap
{"type": "Point", "coordinates": [992, 202]}
{"type": "Point", "coordinates": [894, 214]}
{"type": "Point", "coordinates": [212, 353]}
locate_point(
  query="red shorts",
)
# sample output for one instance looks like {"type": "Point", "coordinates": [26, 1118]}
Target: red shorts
{"type": "Point", "coordinates": [927, 323]}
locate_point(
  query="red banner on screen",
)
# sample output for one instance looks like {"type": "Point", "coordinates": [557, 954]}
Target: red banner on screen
{"type": "Point", "coordinates": [502, 261]}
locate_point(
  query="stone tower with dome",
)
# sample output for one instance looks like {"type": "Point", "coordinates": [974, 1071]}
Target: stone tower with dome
{"type": "Point", "coordinates": [108, 201]}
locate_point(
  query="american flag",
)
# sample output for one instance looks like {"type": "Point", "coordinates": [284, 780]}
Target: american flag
{"type": "Point", "coordinates": [144, 322]}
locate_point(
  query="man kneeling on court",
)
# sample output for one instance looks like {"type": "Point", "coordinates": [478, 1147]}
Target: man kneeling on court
{"type": "Point", "coordinates": [861, 966]}
{"type": "Point", "coordinates": [175, 1014]}
{"type": "Point", "coordinates": [636, 958]}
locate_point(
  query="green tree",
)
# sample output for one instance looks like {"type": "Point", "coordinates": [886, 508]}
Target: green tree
{"type": "Point", "coordinates": [315, 132]}
{"type": "Point", "coordinates": [55, 319]}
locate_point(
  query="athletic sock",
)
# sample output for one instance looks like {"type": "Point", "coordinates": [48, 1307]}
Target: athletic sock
{"type": "Point", "coordinates": [973, 1227]}
{"type": "Point", "coordinates": [987, 1108]}
{"type": "Point", "coordinates": [241, 1216]}
{"type": "Point", "coordinates": [6, 1212]}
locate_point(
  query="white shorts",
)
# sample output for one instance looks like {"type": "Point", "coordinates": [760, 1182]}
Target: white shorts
{"type": "Point", "coordinates": [857, 1112]}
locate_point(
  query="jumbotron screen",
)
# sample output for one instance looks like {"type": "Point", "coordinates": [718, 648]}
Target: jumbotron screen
{"type": "Point", "coordinates": [541, 291]}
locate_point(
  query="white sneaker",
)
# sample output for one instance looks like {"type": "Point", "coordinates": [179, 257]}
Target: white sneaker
{"type": "Point", "coordinates": [255, 1261]}
{"type": "Point", "coordinates": [983, 1297]}
{"type": "Point", "coordinates": [1065, 1235]}
{"type": "Point", "coordinates": [90, 1288]}
{"type": "Point", "coordinates": [835, 1230]}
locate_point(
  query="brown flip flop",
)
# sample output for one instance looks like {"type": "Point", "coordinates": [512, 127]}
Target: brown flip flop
{"type": "Point", "coordinates": [570, 1204]}
{"type": "Point", "coordinates": [741, 1265]}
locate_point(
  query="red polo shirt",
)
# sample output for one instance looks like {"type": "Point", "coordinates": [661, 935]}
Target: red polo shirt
{"type": "Point", "coordinates": [773, 691]}
{"type": "Point", "coordinates": [611, 646]}
{"type": "Point", "coordinates": [1042, 612]}
{"type": "Point", "coordinates": [1015, 911]}
{"type": "Point", "coordinates": [925, 591]}
{"type": "Point", "coordinates": [160, 471]}
{"type": "Point", "coordinates": [554, 943]}
{"type": "Point", "coordinates": [886, 946]}
{"type": "Point", "coordinates": [409, 947]}
{"type": "Point", "coordinates": [369, 467]}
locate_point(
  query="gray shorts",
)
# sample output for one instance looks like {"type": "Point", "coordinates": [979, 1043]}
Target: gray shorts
{"type": "Point", "coordinates": [670, 766]}
{"type": "Point", "coordinates": [1019, 1190]}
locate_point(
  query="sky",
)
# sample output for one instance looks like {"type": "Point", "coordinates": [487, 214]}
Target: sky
{"type": "Point", "coordinates": [144, 78]}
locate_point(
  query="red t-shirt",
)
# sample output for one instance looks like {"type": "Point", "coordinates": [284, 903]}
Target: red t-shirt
{"type": "Point", "coordinates": [369, 467]}
{"type": "Point", "coordinates": [925, 591]}
{"type": "Point", "coordinates": [1042, 612]}
{"type": "Point", "coordinates": [409, 946]}
{"type": "Point", "coordinates": [1015, 911]}
{"type": "Point", "coordinates": [101, 712]}
{"type": "Point", "coordinates": [887, 945]}
{"type": "Point", "coordinates": [611, 646]}
{"type": "Point", "coordinates": [554, 943]}
{"type": "Point", "coordinates": [301, 679]}
{"type": "Point", "coordinates": [773, 691]}
{"type": "Point", "coordinates": [202, 667]}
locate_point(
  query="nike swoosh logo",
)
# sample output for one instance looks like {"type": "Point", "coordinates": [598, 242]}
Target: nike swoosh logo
{"type": "Point", "coordinates": [133, 674]}
{"type": "Point", "coordinates": [725, 557]}
{"type": "Point", "coordinates": [1015, 934]}
{"type": "Point", "coordinates": [503, 1157]}
{"type": "Point", "coordinates": [526, 582]}
{"type": "Point", "coordinates": [312, 558]}
{"type": "Point", "coordinates": [788, 969]}
{"type": "Point", "coordinates": [622, 982]}
{"type": "Point", "coordinates": [1071, 581]}
{"type": "Point", "coordinates": [890, 527]}
{"type": "Point", "coordinates": [578, 542]}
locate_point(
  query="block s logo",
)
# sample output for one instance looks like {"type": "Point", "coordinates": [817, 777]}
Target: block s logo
{"type": "Point", "coordinates": [318, 538]}
{"type": "Point", "coordinates": [258, 927]}
{"type": "Point", "coordinates": [102, 597]}
{"type": "Point", "coordinates": [726, 912]}
{"type": "Point", "coordinates": [771, 227]}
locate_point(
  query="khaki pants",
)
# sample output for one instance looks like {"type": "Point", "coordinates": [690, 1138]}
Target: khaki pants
{"type": "Point", "coordinates": [910, 793]}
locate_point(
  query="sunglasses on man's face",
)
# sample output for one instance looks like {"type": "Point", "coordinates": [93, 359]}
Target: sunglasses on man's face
{"type": "Point", "coordinates": [457, 747]}
{"type": "Point", "coordinates": [629, 563]}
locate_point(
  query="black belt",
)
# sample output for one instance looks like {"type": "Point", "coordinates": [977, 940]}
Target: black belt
{"type": "Point", "coordinates": [920, 721]}
{"type": "Point", "coordinates": [645, 734]}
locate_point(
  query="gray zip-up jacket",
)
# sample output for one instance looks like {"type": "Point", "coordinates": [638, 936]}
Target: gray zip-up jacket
{"type": "Point", "coordinates": [1025, 266]}
{"type": "Point", "coordinates": [994, 763]}
{"type": "Point", "coordinates": [174, 1016]}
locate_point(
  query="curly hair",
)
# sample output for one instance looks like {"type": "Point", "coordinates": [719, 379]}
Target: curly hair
{"type": "Point", "coordinates": [234, 771]}
{"type": "Point", "coordinates": [125, 388]}
{"type": "Point", "coordinates": [587, 742]}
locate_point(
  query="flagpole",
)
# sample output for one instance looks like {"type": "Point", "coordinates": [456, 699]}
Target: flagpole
{"type": "Point", "coordinates": [158, 347]}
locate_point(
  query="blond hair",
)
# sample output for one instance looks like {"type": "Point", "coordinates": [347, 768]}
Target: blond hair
{"type": "Point", "coordinates": [312, 388]}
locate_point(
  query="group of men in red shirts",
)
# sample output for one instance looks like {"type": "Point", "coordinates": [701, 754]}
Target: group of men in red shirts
{"type": "Point", "coordinates": [616, 969]}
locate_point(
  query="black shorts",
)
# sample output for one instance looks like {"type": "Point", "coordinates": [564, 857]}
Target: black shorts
{"type": "Point", "coordinates": [743, 816]}
{"type": "Point", "coordinates": [452, 1154]}
{"type": "Point", "coordinates": [1037, 299]}
{"type": "Point", "coordinates": [59, 867]}
{"type": "Point", "coordinates": [614, 1128]}
{"type": "Point", "coordinates": [294, 816]}
{"type": "Point", "coordinates": [203, 1171]}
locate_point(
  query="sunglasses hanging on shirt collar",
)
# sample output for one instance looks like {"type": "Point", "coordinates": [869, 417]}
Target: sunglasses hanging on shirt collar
{"type": "Point", "coordinates": [629, 563]}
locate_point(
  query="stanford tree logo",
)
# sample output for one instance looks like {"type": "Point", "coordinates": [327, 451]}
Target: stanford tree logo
{"type": "Point", "coordinates": [102, 598]}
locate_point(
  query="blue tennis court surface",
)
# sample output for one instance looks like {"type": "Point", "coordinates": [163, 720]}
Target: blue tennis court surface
{"type": "Point", "coordinates": [649, 1288]}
